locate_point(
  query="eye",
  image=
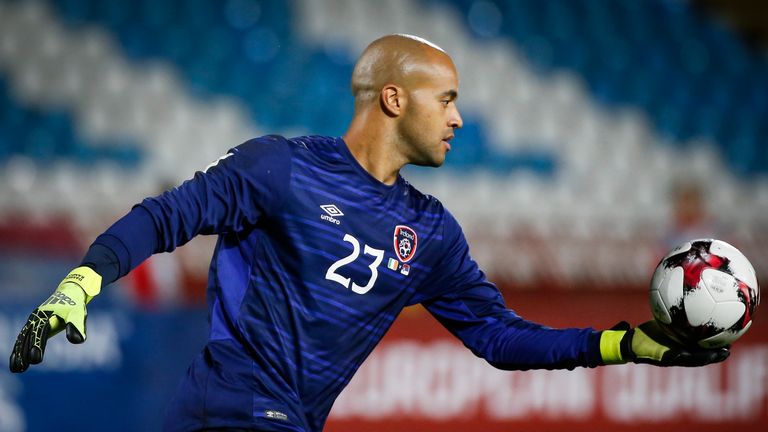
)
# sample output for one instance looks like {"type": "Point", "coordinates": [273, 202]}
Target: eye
{"type": "Point", "coordinates": [445, 102]}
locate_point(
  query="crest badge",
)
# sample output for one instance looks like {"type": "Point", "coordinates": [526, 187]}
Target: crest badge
{"type": "Point", "coordinates": [405, 243]}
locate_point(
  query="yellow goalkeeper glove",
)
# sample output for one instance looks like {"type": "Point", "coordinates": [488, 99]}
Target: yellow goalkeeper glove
{"type": "Point", "coordinates": [64, 309]}
{"type": "Point", "coordinates": [647, 343]}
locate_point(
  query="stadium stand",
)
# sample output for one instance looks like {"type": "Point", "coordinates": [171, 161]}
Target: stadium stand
{"type": "Point", "coordinates": [595, 107]}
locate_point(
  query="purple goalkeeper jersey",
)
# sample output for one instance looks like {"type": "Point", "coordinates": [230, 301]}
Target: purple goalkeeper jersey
{"type": "Point", "coordinates": [315, 260]}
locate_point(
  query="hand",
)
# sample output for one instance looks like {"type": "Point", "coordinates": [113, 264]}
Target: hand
{"type": "Point", "coordinates": [647, 343]}
{"type": "Point", "coordinates": [64, 309]}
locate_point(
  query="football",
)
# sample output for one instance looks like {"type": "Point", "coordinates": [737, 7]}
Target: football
{"type": "Point", "coordinates": [704, 292]}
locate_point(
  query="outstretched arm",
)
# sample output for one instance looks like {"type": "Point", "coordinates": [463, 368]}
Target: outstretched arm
{"type": "Point", "coordinates": [233, 194]}
{"type": "Point", "coordinates": [230, 195]}
{"type": "Point", "coordinates": [478, 316]}
{"type": "Point", "coordinates": [473, 310]}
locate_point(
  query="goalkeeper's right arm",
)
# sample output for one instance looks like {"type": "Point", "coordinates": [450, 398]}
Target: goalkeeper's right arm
{"type": "Point", "coordinates": [229, 196]}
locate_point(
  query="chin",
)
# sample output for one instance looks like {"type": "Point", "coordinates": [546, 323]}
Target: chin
{"type": "Point", "coordinates": [431, 162]}
{"type": "Point", "coordinates": [426, 159]}
{"type": "Point", "coordinates": [438, 160]}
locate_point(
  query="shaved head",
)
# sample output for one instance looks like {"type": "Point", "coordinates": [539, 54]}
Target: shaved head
{"type": "Point", "coordinates": [405, 90]}
{"type": "Point", "coordinates": [396, 59]}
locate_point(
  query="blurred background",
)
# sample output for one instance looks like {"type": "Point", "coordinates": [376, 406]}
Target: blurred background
{"type": "Point", "coordinates": [598, 134]}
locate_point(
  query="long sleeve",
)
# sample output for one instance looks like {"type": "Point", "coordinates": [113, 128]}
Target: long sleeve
{"type": "Point", "coordinates": [236, 192]}
{"type": "Point", "coordinates": [473, 310]}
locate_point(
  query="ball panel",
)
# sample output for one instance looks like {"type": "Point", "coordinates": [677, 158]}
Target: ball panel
{"type": "Point", "coordinates": [659, 309]}
{"type": "Point", "coordinates": [738, 264]}
{"type": "Point", "coordinates": [726, 314]}
{"type": "Point", "coordinates": [722, 286]}
{"type": "Point", "coordinates": [671, 288]}
{"type": "Point", "coordinates": [659, 276]}
{"type": "Point", "coordinates": [723, 338]}
{"type": "Point", "coordinates": [751, 298]}
{"type": "Point", "coordinates": [699, 306]}
{"type": "Point", "coordinates": [685, 247]}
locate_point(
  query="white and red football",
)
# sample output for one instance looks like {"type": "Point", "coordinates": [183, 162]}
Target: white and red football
{"type": "Point", "coordinates": [704, 292]}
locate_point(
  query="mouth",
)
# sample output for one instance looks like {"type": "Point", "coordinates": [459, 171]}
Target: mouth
{"type": "Point", "coordinates": [447, 143]}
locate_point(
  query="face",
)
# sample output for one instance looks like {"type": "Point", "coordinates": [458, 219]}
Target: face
{"type": "Point", "coordinates": [431, 115]}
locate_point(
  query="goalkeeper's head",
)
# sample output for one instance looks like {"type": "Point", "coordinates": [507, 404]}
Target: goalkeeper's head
{"type": "Point", "coordinates": [405, 90]}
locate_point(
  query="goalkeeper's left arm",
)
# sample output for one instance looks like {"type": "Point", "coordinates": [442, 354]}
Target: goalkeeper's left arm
{"type": "Point", "coordinates": [460, 297]}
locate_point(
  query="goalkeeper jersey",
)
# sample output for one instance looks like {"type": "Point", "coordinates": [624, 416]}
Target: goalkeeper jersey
{"type": "Point", "coordinates": [314, 261]}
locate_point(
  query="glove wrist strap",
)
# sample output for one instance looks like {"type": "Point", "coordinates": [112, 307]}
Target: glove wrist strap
{"type": "Point", "coordinates": [85, 278]}
{"type": "Point", "coordinates": [610, 346]}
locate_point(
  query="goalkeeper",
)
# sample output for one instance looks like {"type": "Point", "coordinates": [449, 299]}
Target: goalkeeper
{"type": "Point", "coordinates": [306, 278]}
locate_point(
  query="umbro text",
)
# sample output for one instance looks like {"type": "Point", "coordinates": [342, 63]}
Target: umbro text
{"type": "Point", "coordinates": [330, 219]}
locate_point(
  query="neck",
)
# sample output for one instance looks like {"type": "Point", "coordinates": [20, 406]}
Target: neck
{"type": "Point", "coordinates": [373, 147]}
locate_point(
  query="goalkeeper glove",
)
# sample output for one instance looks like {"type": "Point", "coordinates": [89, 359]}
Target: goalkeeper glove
{"type": "Point", "coordinates": [64, 309]}
{"type": "Point", "coordinates": [647, 343]}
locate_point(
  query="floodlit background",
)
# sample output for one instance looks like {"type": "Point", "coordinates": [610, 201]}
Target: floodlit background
{"type": "Point", "coordinates": [598, 134]}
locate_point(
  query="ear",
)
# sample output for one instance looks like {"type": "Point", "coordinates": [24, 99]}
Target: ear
{"type": "Point", "coordinates": [392, 99]}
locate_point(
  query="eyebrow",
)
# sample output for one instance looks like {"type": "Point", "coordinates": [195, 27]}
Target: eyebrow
{"type": "Point", "coordinates": [453, 94]}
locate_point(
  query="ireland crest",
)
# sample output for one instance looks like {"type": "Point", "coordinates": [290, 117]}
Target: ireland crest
{"type": "Point", "coordinates": [405, 242]}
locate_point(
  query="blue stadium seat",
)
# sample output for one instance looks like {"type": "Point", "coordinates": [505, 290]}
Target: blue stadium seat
{"type": "Point", "coordinates": [154, 13]}
{"type": "Point", "coordinates": [77, 12]}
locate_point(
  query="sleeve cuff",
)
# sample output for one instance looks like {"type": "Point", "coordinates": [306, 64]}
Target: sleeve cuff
{"type": "Point", "coordinates": [102, 258]}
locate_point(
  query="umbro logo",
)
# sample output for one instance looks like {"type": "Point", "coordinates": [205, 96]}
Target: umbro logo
{"type": "Point", "coordinates": [331, 211]}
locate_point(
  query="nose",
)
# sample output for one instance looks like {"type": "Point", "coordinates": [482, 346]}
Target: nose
{"type": "Point", "coordinates": [455, 120]}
